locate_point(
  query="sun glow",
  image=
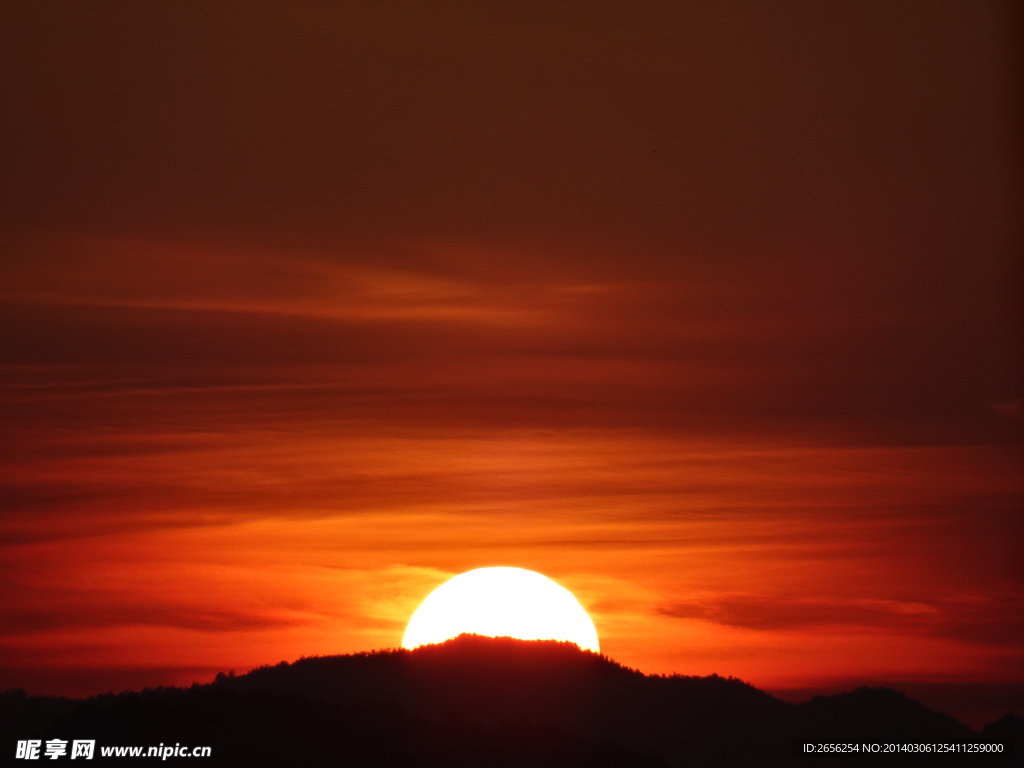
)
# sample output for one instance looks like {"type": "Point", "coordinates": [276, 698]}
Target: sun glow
{"type": "Point", "coordinates": [501, 602]}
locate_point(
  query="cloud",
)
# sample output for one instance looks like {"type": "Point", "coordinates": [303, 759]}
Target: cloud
{"type": "Point", "coordinates": [772, 613]}
{"type": "Point", "coordinates": [144, 614]}
{"type": "Point", "coordinates": [121, 329]}
{"type": "Point", "coordinates": [984, 619]}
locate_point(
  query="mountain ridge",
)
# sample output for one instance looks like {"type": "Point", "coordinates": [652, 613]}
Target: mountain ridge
{"type": "Point", "coordinates": [486, 701]}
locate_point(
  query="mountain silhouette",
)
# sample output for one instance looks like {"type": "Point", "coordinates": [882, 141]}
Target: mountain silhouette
{"type": "Point", "coordinates": [477, 701]}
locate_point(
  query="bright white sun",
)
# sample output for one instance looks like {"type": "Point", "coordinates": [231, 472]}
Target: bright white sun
{"type": "Point", "coordinates": [501, 602]}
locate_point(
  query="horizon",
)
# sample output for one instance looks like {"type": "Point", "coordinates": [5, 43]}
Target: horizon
{"type": "Point", "coordinates": [947, 699]}
{"type": "Point", "coordinates": [458, 701]}
{"type": "Point", "coordinates": [708, 312]}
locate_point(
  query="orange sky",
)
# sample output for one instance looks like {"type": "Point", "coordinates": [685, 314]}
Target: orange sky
{"type": "Point", "coordinates": [710, 314]}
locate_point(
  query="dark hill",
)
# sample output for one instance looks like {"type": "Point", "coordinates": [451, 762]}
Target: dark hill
{"type": "Point", "coordinates": [484, 702]}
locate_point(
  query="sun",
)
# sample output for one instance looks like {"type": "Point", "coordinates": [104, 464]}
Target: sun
{"type": "Point", "coordinates": [501, 602]}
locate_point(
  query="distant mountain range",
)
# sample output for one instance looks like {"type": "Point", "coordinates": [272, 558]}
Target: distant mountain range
{"type": "Point", "coordinates": [483, 702]}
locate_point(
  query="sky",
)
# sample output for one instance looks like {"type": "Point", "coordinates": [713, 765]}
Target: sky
{"type": "Point", "coordinates": [710, 311]}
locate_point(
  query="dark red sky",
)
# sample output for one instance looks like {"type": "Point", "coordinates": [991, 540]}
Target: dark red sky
{"type": "Point", "coordinates": [708, 310]}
